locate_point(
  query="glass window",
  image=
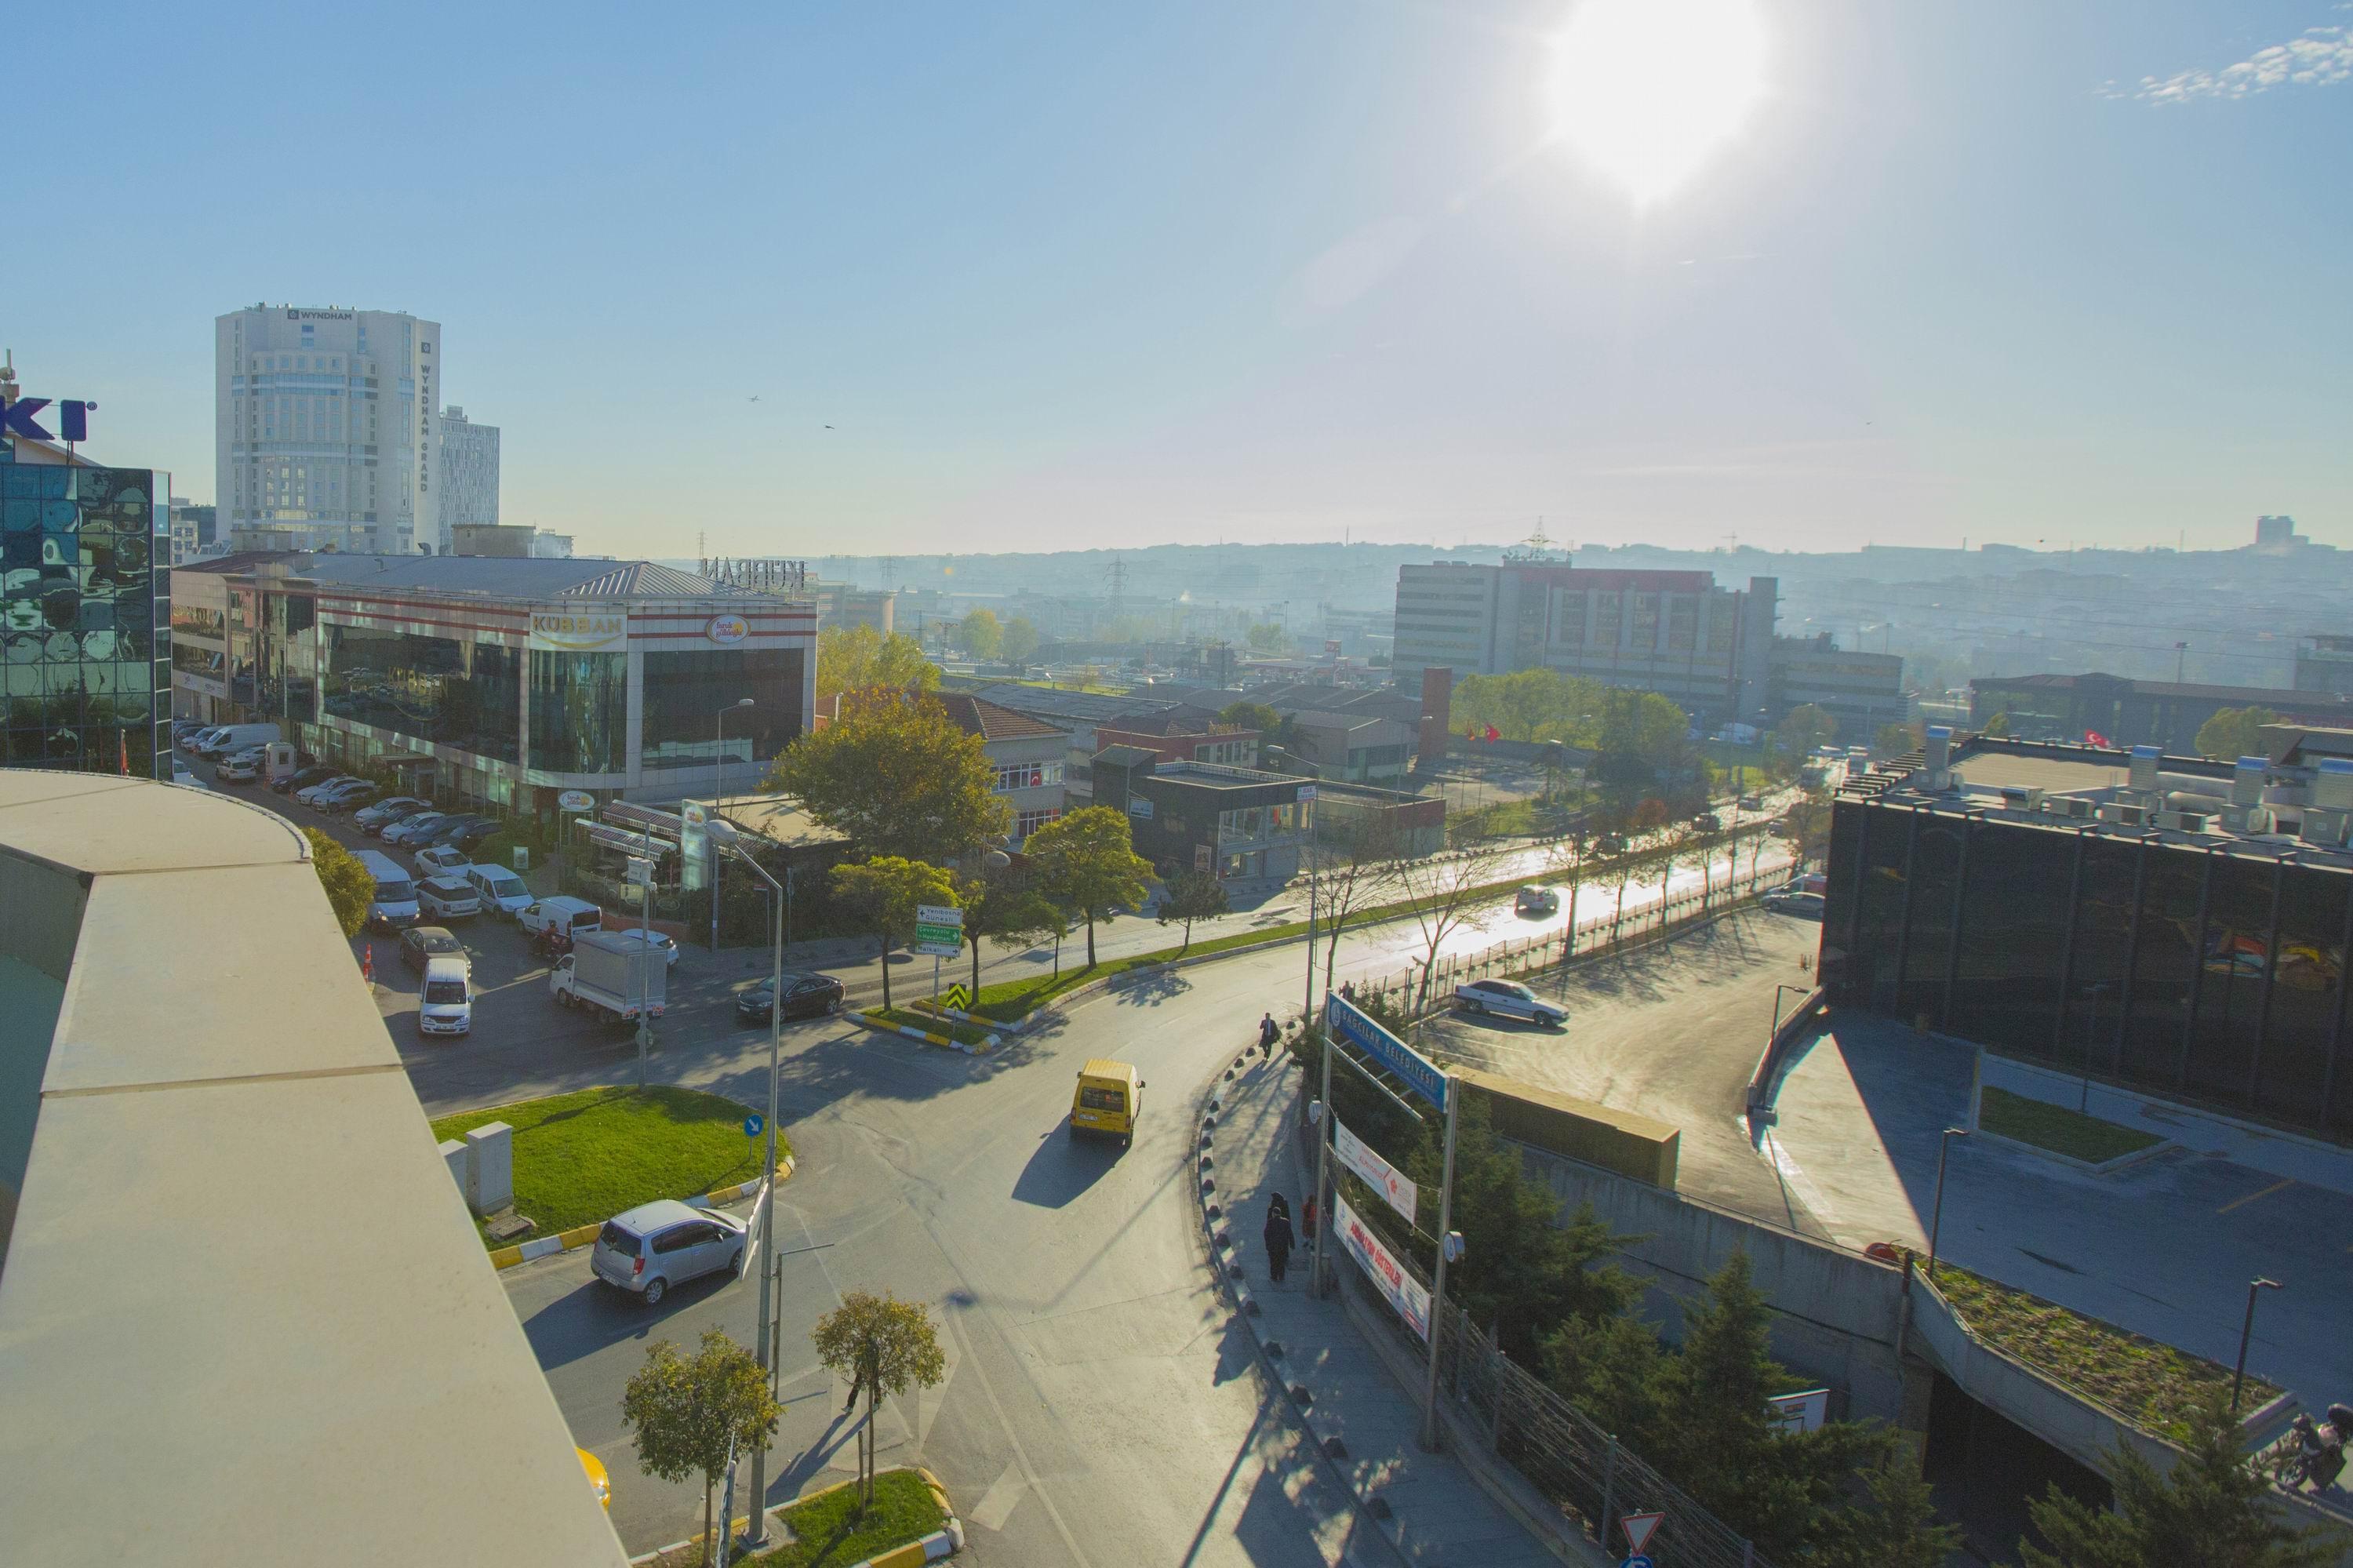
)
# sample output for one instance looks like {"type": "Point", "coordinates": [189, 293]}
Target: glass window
{"type": "Point", "coordinates": [2232, 960]}
{"type": "Point", "coordinates": [2013, 929]}
{"type": "Point", "coordinates": [1881, 908]}
{"type": "Point", "coordinates": [429, 690]}
{"type": "Point", "coordinates": [579, 712]}
{"type": "Point", "coordinates": [2102, 949]}
{"type": "Point", "coordinates": [2165, 962]}
{"type": "Point", "coordinates": [2311, 961]}
{"type": "Point", "coordinates": [1936, 870]}
{"type": "Point", "coordinates": [686, 692]}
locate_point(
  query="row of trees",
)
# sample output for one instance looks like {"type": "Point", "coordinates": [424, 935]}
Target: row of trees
{"type": "Point", "coordinates": [983, 636]}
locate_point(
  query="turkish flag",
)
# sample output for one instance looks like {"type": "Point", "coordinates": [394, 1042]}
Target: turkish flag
{"type": "Point", "coordinates": [1494, 734]}
{"type": "Point", "coordinates": [2093, 737]}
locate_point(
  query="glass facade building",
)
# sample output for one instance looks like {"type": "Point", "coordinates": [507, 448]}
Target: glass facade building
{"type": "Point", "coordinates": [85, 618]}
{"type": "Point", "coordinates": [2212, 971]}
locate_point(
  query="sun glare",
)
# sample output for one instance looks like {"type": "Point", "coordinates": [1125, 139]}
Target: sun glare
{"type": "Point", "coordinates": [1645, 90]}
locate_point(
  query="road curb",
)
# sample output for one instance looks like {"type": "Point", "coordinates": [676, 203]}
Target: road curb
{"type": "Point", "coordinates": [567, 1241]}
{"type": "Point", "coordinates": [945, 1043]}
{"type": "Point", "coordinates": [944, 1541]}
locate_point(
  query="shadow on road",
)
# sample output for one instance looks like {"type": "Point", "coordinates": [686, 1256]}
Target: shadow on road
{"type": "Point", "coordinates": [1062, 1168]}
{"type": "Point", "coordinates": [1149, 988]}
{"type": "Point", "coordinates": [585, 1320]}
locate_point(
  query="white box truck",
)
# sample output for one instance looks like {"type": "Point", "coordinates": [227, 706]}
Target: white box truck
{"type": "Point", "coordinates": [607, 972]}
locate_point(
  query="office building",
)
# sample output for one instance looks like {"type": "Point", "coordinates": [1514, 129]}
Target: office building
{"type": "Point", "coordinates": [1860, 691]}
{"type": "Point", "coordinates": [1238, 823]}
{"type": "Point", "coordinates": [1028, 753]}
{"type": "Point", "coordinates": [1708, 648]}
{"type": "Point", "coordinates": [508, 542]}
{"type": "Point", "coordinates": [2171, 924]}
{"type": "Point", "coordinates": [2166, 714]}
{"type": "Point", "coordinates": [504, 683]}
{"type": "Point", "coordinates": [847, 605]}
{"type": "Point", "coordinates": [1361, 748]}
{"type": "Point", "coordinates": [469, 471]}
{"type": "Point", "coordinates": [324, 428]}
{"type": "Point", "coordinates": [85, 604]}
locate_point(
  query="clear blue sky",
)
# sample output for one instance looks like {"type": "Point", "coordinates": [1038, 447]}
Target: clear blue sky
{"type": "Point", "coordinates": [1068, 274]}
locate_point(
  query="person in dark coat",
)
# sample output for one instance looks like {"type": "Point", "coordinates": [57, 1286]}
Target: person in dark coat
{"type": "Point", "coordinates": [1277, 1236]}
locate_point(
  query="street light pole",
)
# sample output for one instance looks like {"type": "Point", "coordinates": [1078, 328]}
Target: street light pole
{"type": "Point", "coordinates": [719, 799]}
{"type": "Point", "coordinates": [724, 836]}
{"type": "Point", "coordinates": [2246, 1332]}
{"type": "Point", "coordinates": [1937, 1216]}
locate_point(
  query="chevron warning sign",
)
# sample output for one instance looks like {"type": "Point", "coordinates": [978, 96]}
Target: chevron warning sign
{"type": "Point", "coordinates": [957, 997]}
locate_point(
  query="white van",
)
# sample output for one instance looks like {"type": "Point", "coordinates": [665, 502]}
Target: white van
{"type": "Point", "coordinates": [499, 889]}
{"type": "Point", "coordinates": [570, 917]}
{"type": "Point", "coordinates": [229, 737]}
{"type": "Point", "coordinates": [444, 1002]}
{"type": "Point", "coordinates": [395, 893]}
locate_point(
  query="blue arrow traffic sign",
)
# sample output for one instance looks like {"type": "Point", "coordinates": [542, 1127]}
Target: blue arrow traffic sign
{"type": "Point", "coordinates": [754, 1125]}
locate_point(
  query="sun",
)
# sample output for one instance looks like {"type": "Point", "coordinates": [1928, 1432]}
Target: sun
{"type": "Point", "coordinates": [1646, 91]}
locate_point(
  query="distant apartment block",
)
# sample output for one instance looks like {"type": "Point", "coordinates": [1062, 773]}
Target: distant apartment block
{"type": "Point", "coordinates": [2135, 712]}
{"type": "Point", "coordinates": [506, 541]}
{"type": "Point", "coordinates": [846, 605]}
{"type": "Point", "coordinates": [470, 470]}
{"type": "Point", "coordinates": [1860, 691]}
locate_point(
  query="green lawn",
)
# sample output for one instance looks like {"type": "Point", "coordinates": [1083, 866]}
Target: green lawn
{"type": "Point", "coordinates": [2058, 1129]}
{"type": "Point", "coordinates": [2152, 1384]}
{"type": "Point", "coordinates": [581, 1159]}
{"type": "Point", "coordinates": [826, 1532]}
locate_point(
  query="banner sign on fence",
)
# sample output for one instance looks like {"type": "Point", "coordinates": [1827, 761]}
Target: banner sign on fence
{"type": "Point", "coordinates": [1385, 1178]}
{"type": "Point", "coordinates": [1403, 1291]}
{"type": "Point", "coordinates": [1421, 1074]}
{"type": "Point", "coordinates": [1800, 1412]}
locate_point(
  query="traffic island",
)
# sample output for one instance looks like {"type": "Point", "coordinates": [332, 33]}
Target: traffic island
{"type": "Point", "coordinates": [580, 1158]}
{"type": "Point", "coordinates": [910, 1523]}
{"type": "Point", "coordinates": [930, 1029]}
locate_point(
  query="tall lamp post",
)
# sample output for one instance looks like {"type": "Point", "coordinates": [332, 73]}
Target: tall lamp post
{"type": "Point", "coordinates": [2246, 1332]}
{"type": "Point", "coordinates": [727, 839]}
{"type": "Point", "coordinates": [719, 799]}
{"type": "Point", "coordinates": [1936, 1215]}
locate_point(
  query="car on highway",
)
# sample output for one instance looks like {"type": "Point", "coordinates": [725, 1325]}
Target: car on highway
{"type": "Point", "coordinates": [1508, 999]}
{"type": "Point", "coordinates": [1793, 901]}
{"type": "Point", "coordinates": [1109, 1098]}
{"type": "Point", "coordinates": [442, 860]}
{"type": "Point", "coordinates": [420, 945]}
{"type": "Point", "coordinates": [805, 996]}
{"type": "Point", "coordinates": [448, 896]}
{"type": "Point", "coordinates": [389, 810]}
{"type": "Point", "coordinates": [1535, 899]}
{"type": "Point", "coordinates": [499, 889]}
{"type": "Point", "coordinates": [242, 767]}
{"type": "Point", "coordinates": [301, 779]}
{"type": "Point", "coordinates": [658, 1246]}
{"type": "Point", "coordinates": [415, 829]}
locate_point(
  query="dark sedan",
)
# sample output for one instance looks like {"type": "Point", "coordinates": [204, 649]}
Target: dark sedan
{"type": "Point", "coordinates": [464, 832]}
{"type": "Point", "coordinates": [805, 996]}
{"type": "Point", "coordinates": [301, 780]}
{"type": "Point", "coordinates": [419, 945]}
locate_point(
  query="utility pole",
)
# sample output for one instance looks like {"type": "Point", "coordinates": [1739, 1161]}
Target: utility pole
{"type": "Point", "coordinates": [1438, 1280]}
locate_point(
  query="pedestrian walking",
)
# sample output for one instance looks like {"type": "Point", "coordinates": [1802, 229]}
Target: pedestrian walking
{"type": "Point", "coordinates": [1277, 1236]}
{"type": "Point", "coordinates": [1268, 1031]}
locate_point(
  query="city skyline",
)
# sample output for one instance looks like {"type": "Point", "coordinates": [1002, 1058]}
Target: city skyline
{"type": "Point", "coordinates": [1228, 275]}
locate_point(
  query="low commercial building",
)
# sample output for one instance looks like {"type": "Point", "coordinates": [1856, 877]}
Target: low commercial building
{"type": "Point", "coordinates": [1238, 823]}
{"type": "Point", "coordinates": [504, 684]}
{"type": "Point", "coordinates": [1353, 747]}
{"type": "Point", "coordinates": [2171, 924]}
{"type": "Point", "coordinates": [1357, 818]}
{"type": "Point", "coordinates": [2120, 712]}
{"type": "Point", "coordinates": [1028, 753]}
{"type": "Point", "coordinates": [1862, 691]}
{"type": "Point", "coordinates": [1186, 738]}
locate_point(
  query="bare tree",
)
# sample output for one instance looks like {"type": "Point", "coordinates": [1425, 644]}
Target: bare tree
{"type": "Point", "coordinates": [1449, 894]}
{"type": "Point", "coordinates": [1571, 863]}
{"type": "Point", "coordinates": [1354, 869]}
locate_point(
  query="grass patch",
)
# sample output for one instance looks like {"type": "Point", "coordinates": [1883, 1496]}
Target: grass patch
{"type": "Point", "coordinates": [2058, 1129]}
{"type": "Point", "coordinates": [827, 1534]}
{"type": "Point", "coordinates": [580, 1158]}
{"type": "Point", "coordinates": [930, 1024]}
{"type": "Point", "coordinates": [2153, 1384]}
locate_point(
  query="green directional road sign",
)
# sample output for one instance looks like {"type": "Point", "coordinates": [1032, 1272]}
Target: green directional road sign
{"type": "Point", "coordinates": [939, 930]}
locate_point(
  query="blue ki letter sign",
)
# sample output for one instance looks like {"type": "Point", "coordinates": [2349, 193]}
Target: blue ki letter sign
{"type": "Point", "coordinates": [73, 419]}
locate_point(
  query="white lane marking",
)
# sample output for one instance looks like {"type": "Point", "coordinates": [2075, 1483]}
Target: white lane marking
{"type": "Point", "coordinates": [997, 1504]}
{"type": "Point", "coordinates": [928, 1401]}
{"type": "Point", "coordinates": [1808, 1193]}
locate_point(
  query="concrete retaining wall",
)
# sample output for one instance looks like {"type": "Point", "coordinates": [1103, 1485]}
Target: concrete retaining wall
{"type": "Point", "coordinates": [1629, 1143]}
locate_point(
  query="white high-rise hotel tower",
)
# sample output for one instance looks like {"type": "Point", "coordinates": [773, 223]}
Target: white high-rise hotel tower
{"type": "Point", "coordinates": [324, 423]}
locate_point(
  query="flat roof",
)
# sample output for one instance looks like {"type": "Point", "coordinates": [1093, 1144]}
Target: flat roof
{"type": "Point", "coordinates": [236, 1238]}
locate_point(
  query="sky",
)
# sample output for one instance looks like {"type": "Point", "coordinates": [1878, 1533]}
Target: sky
{"type": "Point", "coordinates": [1038, 276]}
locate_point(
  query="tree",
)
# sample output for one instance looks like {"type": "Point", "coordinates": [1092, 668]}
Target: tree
{"type": "Point", "coordinates": [1019, 642]}
{"type": "Point", "coordinates": [882, 1345]}
{"type": "Point", "coordinates": [1268, 637]}
{"type": "Point", "coordinates": [853, 658]}
{"type": "Point", "coordinates": [883, 893]}
{"type": "Point", "coordinates": [896, 776]}
{"type": "Point", "coordinates": [1900, 1530]}
{"type": "Point", "coordinates": [1006, 908]}
{"type": "Point", "coordinates": [349, 888]}
{"type": "Point", "coordinates": [1273, 728]}
{"type": "Point", "coordinates": [688, 1415]}
{"type": "Point", "coordinates": [2211, 1507]}
{"type": "Point", "coordinates": [1350, 867]}
{"type": "Point", "coordinates": [1192, 895]}
{"type": "Point", "coordinates": [1809, 830]}
{"type": "Point", "coordinates": [1802, 729]}
{"type": "Point", "coordinates": [2234, 733]}
{"type": "Point", "coordinates": [1895, 739]}
{"type": "Point", "coordinates": [1997, 725]}
{"type": "Point", "coordinates": [980, 633]}
{"type": "Point", "coordinates": [1447, 897]}
{"type": "Point", "coordinates": [1087, 862]}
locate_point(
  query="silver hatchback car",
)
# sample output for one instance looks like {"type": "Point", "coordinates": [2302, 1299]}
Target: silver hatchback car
{"type": "Point", "coordinates": [663, 1243]}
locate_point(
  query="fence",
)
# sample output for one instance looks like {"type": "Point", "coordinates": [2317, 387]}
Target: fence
{"type": "Point", "coordinates": [1591, 1477]}
{"type": "Point", "coordinates": [1618, 931]}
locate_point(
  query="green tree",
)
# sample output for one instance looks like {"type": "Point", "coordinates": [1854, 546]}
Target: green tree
{"type": "Point", "coordinates": [1895, 739]}
{"type": "Point", "coordinates": [980, 633]}
{"type": "Point", "coordinates": [1803, 729]}
{"type": "Point", "coordinates": [2234, 733]}
{"type": "Point", "coordinates": [1192, 895]}
{"type": "Point", "coordinates": [882, 1345]}
{"type": "Point", "coordinates": [853, 658]}
{"type": "Point", "coordinates": [1997, 725]}
{"type": "Point", "coordinates": [1273, 728]}
{"type": "Point", "coordinates": [1019, 643]}
{"type": "Point", "coordinates": [2211, 1507]}
{"type": "Point", "coordinates": [1086, 861]}
{"type": "Point", "coordinates": [687, 1414]}
{"type": "Point", "coordinates": [882, 894]}
{"type": "Point", "coordinates": [896, 776]}
{"type": "Point", "coordinates": [1268, 637]}
{"type": "Point", "coordinates": [1608, 1368]}
{"type": "Point", "coordinates": [1006, 908]}
{"type": "Point", "coordinates": [349, 888]}
{"type": "Point", "coordinates": [1899, 1530]}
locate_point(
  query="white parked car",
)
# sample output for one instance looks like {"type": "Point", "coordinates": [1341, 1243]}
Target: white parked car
{"type": "Point", "coordinates": [309, 794]}
{"type": "Point", "coordinates": [443, 860]}
{"type": "Point", "coordinates": [499, 889]}
{"type": "Point", "coordinates": [180, 775]}
{"type": "Point", "coordinates": [666, 945]}
{"type": "Point", "coordinates": [447, 898]}
{"type": "Point", "coordinates": [1508, 999]}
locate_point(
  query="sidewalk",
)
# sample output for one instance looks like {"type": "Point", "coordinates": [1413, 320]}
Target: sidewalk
{"type": "Point", "coordinates": [1437, 1513]}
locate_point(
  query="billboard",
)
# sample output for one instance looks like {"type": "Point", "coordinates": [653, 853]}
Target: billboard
{"type": "Point", "coordinates": [1377, 1174]}
{"type": "Point", "coordinates": [563, 632]}
{"type": "Point", "coordinates": [1388, 1276]}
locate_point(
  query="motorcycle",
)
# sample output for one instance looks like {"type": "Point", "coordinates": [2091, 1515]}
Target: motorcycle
{"type": "Point", "coordinates": [2318, 1455]}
